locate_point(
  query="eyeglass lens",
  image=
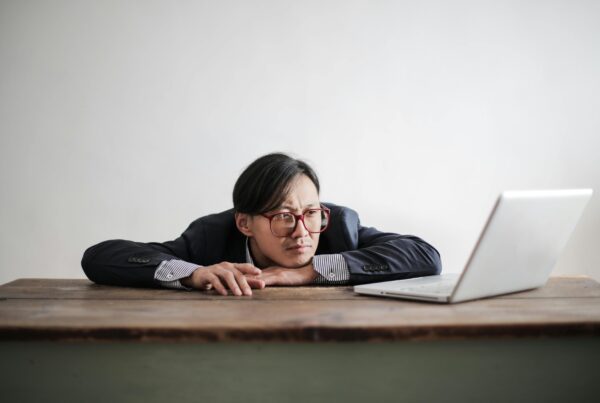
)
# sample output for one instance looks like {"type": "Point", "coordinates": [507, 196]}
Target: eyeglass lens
{"type": "Point", "coordinates": [284, 224]}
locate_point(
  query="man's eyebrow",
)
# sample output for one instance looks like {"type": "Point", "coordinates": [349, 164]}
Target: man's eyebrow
{"type": "Point", "coordinates": [290, 207]}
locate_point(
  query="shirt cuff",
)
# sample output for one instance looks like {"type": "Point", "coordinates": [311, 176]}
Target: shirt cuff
{"type": "Point", "coordinates": [333, 269]}
{"type": "Point", "coordinates": [169, 272]}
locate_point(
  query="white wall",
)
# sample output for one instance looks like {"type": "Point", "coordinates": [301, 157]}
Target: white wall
{"type": "Point", "coordinates": [129, 119]}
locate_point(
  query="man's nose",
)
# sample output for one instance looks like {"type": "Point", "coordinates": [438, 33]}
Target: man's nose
{"type": "Point", "coordinates": [300, 231]}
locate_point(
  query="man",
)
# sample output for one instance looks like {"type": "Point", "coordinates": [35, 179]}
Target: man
{"type": "Point", "coordinates": [278, 233]}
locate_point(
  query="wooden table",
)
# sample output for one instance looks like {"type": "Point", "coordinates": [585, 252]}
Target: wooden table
{"type": "Point", "coordinates": [72, 340]}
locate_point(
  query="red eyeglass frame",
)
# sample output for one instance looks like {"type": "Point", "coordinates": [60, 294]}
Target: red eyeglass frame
{"type": "Point", "coordinates": [298, 218]}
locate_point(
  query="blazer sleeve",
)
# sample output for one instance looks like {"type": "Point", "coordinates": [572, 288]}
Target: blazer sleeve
{"type": "Point", "coordinates": [133, 264]}
{"type": "Point", "coordinates": [382, 256]}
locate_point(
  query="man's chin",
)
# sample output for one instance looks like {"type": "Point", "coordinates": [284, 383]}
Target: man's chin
{"type": "Point", "coordinates": [297, 265]}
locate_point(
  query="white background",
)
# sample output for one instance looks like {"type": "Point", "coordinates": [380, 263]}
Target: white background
{"type": "Point", "coordinates": [129, 119]}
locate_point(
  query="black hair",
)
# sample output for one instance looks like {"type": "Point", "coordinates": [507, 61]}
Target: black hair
{"type": "Point", "coordinates": [265, 183]}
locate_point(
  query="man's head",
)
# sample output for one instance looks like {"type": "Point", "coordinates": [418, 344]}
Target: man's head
{"type": "Point", "coordinates": [278, 183]}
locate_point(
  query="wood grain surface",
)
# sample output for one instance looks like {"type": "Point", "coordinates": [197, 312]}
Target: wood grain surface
{"type": "Point", "coordinates": [57, 309]}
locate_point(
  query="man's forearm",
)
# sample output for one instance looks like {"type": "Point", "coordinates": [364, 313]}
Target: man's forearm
{"type": "Point", "coordinates": [175, 274]}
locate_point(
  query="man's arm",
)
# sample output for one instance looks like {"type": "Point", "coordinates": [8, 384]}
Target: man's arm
{"type": "Point", "coordinates": [397, 258]}
{"type": "Point", "coordinates": [172, 273]}
{"type": "Point", "coordinates": [365, 255]}
{"type": "Point", "coordinates": [386, 256]}
{"type": "Point", "coordinates": [332, 269]}
{"type": "Point", "coordinates": [127, 263]}
{"type": "Point", "coordinates": [378, 262]}
{"type": "Point", "coordinates": [136, 264]}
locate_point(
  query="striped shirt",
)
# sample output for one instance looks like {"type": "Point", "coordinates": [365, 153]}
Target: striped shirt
{"type": "Point", "coordinates": [332, 270]}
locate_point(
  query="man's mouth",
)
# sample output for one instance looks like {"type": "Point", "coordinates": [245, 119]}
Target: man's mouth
{"type": "Point", "coordinates": [299, 247]}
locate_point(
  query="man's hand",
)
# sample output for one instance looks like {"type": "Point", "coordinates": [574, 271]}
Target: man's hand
{"type": "Point", "coordinates": [238, 277]}
{"type": "Point", "coordinates": [281, 276]}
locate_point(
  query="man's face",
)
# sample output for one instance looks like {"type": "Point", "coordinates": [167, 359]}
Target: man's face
{"type": "Point", "coordinates": [296, 249]}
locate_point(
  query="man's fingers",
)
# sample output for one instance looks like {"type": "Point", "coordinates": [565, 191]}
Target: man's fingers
{"type": "Point", "coordinates": [270, 281]}
{"type": "Point", "coordinates": [231, 282]}
{"type": "Point", "coordinates": [266, 277]}
{"type": "Point", "coordinates": [214, 280]}
{"type": "Point", "coordinates": [241, 280]}
{"type": "Point", "coordinates": [247, 268]}
{"type": "Point", "coordinates": [255, 282]}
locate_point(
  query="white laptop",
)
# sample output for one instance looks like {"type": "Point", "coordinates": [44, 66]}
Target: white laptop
{"type": "Point", "coordinates": [517, 249]}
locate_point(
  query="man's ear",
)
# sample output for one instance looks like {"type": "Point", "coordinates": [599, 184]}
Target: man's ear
{"type": "Point", "coordinates": [242, 221]}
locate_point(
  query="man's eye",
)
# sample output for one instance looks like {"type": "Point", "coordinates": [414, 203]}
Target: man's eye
{"type": "Point", "coordinates": [312, 212]}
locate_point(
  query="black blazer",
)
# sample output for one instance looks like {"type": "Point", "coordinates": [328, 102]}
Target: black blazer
{"type": "Point", "coordinates": [371, 255]}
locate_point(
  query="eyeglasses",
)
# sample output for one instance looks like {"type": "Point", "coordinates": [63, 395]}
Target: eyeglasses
{"type": "Point", "coordinates": [284, 223]}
